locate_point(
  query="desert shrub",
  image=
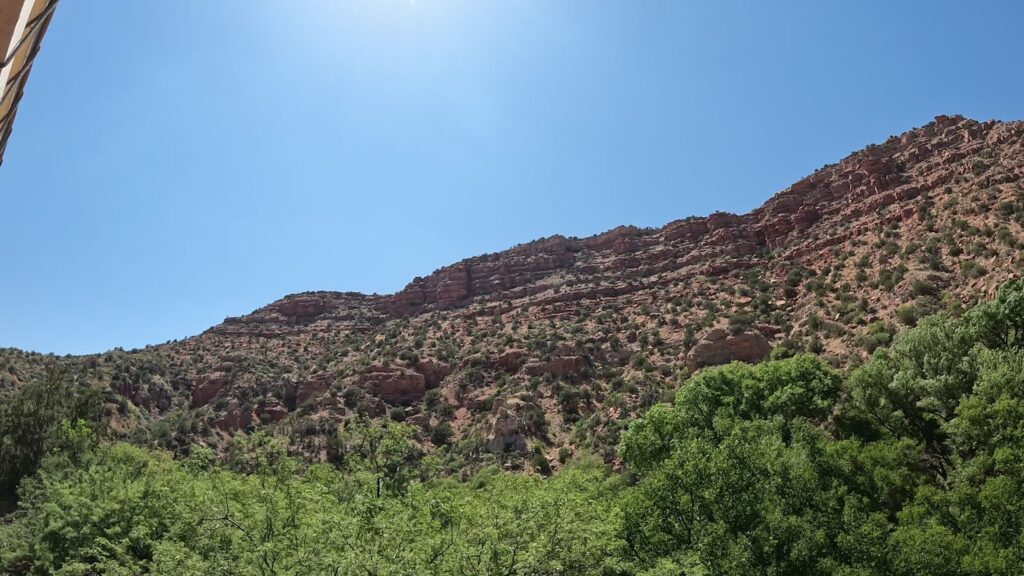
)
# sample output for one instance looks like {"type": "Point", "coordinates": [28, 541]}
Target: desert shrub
{"type": "Point", "coordinates": [971, 269]}
{"type": "Point", "coordinates": [907, 314]}
{"type": "Point", "coordinates": [923, 288]}
{"type": "Point", "coordinates": [441, 434]}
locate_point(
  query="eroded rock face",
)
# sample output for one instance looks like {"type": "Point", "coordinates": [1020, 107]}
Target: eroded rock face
{"type": "Point", "coordinates": [235, 418]}
{"type": "Point", "coordinates": [861, 188]}
{"type": "Point", "coordinates": [508, 427]}
{"type": "Point", "coordinates": [153, 394]}
{"type": "Point", "coordinates": [511, 360]}
{"type": "Point", "coordinates": [208, 387]}
{"type": "Point", "coordinates": [556, 366]}
{"type": "Point", "coordinates": [273, 410]}
{"type": "Point", "coordinates": [393, 387]}
{"type": "Point", "coordinates": [458, 284]}
{"type": "Point", "coordinates": [315, 386]}
{"type": "Point", "coordinates": [306, 312]}
{"type": "Point", "coordinates": [434, 372]}
{"type": "Point", "coordinates": [718, 347]}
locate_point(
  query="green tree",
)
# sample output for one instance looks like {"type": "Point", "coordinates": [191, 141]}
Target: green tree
{"type": "Point", "coordinates": [31, 419]}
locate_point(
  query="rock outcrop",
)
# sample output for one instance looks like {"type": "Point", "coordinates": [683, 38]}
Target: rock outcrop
{"type": "Point", "coordinates": [313, 387]}
{"type": "Point", "coordinates": [208, 387]}
{"type": "Point", "coordinates": [511, 360]}
{"type": "Point", "coordinates": [556, 366]}
{"type": "Point", "coordinates": [433, 371]}
{"type": "Point", "coordinates": [719, 347]}
{"type": "Point", "coordinates": [392, 386]}
{"type": "Point", "coordinates": [508, 427]}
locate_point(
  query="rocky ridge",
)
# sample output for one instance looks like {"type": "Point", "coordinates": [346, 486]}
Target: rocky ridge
{"type": "Point", "coordinates": [557, 341]}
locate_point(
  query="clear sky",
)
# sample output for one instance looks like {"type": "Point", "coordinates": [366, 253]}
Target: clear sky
{"type": "Point", "coordinates": [178, 161]}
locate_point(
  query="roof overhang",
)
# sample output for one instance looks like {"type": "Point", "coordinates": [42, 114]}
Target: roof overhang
{"type": "Point", "coordinates": [22, 26]}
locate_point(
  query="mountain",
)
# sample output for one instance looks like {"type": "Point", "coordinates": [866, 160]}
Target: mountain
{"type": "Point", "coordinates": [555, 343]}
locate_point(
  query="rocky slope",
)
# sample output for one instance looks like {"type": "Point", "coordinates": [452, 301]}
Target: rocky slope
{"type": "Point", "coordinates": [554, 343]}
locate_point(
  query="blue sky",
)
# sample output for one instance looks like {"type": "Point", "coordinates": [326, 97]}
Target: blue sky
{"type": "Point", "coordinates": [176, 162]}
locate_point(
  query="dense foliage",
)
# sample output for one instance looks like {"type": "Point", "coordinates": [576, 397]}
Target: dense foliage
{"type": "Point", "coordinates": [31, 420]}
{"type": "Point", "coordinates": [913, 464]}
{"type": "Point", "coordinates": [120, 509]}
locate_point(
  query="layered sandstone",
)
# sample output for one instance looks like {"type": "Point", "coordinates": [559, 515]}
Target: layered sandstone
{"type": "Point", "coordinates": [591, 330]}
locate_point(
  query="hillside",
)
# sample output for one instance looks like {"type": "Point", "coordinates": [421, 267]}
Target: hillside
{"type": "Point", "coordinates": [553, 344]}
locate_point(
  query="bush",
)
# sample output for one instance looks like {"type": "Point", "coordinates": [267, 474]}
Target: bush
{"type": "Point", "coordinates": [972, 270]}
{"type": "Point", "coordinates": [740, 322]}
{"type": "Point", "coordinates": [879, 334]}
{"type": "Point", "coordinates": [923, 288]}
{"type": "Point", "coordinates": [441, 434]}
{"type": "Point", "coordinates": [907, 314]}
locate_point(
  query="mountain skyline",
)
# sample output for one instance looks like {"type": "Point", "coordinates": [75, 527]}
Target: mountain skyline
{"type": "Point", "coordinates": [154, 186]}
{"type": "Point", "coordinates": [543, 340]}
{"type": "Point", "coordinates": [627, 228]}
